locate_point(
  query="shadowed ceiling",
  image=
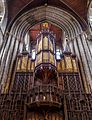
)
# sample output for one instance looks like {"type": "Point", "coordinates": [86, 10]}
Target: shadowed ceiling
{"type": "Point", "coordinates": [35, 30]}
{"type": "Point", "coordinates": [73, 6]}
{"type": "Point", "coordinates": [78, 8]}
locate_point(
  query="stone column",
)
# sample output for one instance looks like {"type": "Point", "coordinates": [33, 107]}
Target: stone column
{"type": "Point", "coordinates": [80, 52]}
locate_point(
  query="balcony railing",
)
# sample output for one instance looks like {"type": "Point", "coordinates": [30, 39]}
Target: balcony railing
{"type": "Point", "coordinates": [45, 95]}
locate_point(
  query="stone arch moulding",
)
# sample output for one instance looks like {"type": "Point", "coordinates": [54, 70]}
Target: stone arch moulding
{"type": "Point", "coordinates": [4, 13]}
{"type": "Point", "coordinates": [22, 24]}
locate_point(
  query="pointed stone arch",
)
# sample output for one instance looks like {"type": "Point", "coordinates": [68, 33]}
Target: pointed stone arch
{"type": "Point", "coordinates": [23, 23]}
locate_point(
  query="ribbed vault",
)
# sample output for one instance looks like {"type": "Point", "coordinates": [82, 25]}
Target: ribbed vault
{"type": "Point", "coordinates": [15, 34]}
{"type": "Point", "coordinates": [52, 14]}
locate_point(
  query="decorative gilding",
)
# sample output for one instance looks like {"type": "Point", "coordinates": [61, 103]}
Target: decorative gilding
{"type": "Point", "coordinates": [19, 64]}
{"type": "Point", "coordinates": [68, 63]}
{"type": "Point", "coordinates": [24, 63]}
{"type": "Point", "coordinates": [74, 65]}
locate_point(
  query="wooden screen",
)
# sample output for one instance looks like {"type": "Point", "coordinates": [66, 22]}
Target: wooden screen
{"type": "Point", "coordinates": [47, 116]}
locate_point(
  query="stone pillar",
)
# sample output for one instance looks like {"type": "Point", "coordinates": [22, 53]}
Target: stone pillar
{"type": "Point", "coordinates": [82, 56]}
{"type": "Point", "coordinates": [71, 44]}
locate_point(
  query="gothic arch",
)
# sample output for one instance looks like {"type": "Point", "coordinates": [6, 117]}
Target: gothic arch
{"type": "Point", "coordinates": [22, 24]}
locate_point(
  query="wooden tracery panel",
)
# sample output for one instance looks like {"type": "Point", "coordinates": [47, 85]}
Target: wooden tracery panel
{"type": "Point", "coordinates": [42, 116]}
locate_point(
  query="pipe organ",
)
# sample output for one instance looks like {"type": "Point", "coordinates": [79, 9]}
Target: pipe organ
{"type": "Point", "coordinates": [45, 64]}
{"type": "Point", "coordinates": [46, 88]}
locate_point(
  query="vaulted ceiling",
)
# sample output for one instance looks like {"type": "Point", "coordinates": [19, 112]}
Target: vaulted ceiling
{"type": "Point", "coordinates": [37, 28]}
{"type": "Point", "coordinates": [75, 7]}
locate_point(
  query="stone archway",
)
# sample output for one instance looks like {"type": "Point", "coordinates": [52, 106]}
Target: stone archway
{"type": "Point", "coordinates": [54, 15]}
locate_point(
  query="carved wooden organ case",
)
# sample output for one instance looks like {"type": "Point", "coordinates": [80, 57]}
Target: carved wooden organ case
{"type": "Point", "coordinates": [45, 88]}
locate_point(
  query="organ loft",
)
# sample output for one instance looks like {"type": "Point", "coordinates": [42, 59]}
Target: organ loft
{"type": "Point", "coordinates": [45, 59]}
{"type": "Point", "coordinates": [46, 83]}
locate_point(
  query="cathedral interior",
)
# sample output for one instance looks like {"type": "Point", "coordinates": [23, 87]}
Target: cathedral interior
{"type": "Point", "coordinates": [45, 59]}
